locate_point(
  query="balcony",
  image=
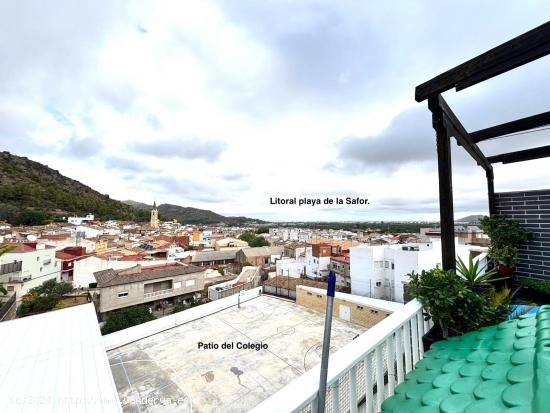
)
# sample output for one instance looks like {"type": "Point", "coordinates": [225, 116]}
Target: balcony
{"type": "Point", "coordinates": [13, 277]}
{"type": "Point", "coordinates": [158, 293]}
{"type": "Point", "coordinates": [358, 374]}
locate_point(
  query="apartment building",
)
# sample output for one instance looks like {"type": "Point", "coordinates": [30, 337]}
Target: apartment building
{"type": "Point", "coordinates": [294, 250]}
{"type": "Point", "coordinates": [290, 267]}
{"type": "Point", "coordinates": [67, 257]}
{"type": "Point", "coordinates": [28, 266]}
{"type": "Point", "coordinates": [380, 271]}
{"type": "Point", "coordinates": [341, 266]}
{"type": "Point", "coordinates": [318, 260]}
{"type": "Point", "coordinates": [133, 286]}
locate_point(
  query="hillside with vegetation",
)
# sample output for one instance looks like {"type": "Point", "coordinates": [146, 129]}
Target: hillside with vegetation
{"type": "Point", "coordinates": [33, 194]}
{"type": "Point", "coordinates": [189, 215]}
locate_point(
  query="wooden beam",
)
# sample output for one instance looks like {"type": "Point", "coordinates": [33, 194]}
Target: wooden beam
{"type": "Point", "coordinates": [520, 156]}
{"type": "Point", "coordinates": [459, 132]}
{"type": "Point", "coordinates": [446, 211]}
{"type": "Point", "coordinates": [518, 125]}
{"type": "Point", "coordinates": [527, 57]}
{"type": "Point", "coordinates": [491, 191]}
{"type": "Point", "coordinates": [507, 56]}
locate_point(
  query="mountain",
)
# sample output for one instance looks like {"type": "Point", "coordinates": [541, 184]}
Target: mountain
{"type": "Point", "coordinates": [471, 219]}
{"type": "Point", "coordinates": [33, 194]}
{"type": "Point", "coordinates": [189, 215]}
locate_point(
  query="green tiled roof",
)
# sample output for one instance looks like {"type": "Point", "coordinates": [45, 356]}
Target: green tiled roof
{"type": "Point", "coordinates": [502, 368]}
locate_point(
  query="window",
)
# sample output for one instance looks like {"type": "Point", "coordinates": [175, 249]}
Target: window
{"type": "Point", "coordinates": [10, 288]}
{"type": "Point", "coordinates": [386, 264]}
{"type": "Point", "coordinates": [123, 294]}
{"type": "Point", "coordinates": [359, 307]}
{"type": "Point", "coordinates": [374, 311]}
{"type": "Point", "coordinates": [37, 259]}
{"type": "Point", "coordinates": [319, 296]}
{"type": "Point", "coordinates": [189, 283]}
{"type": "Point", "coordinates": [392, 266]}
{"type": "Point", "coordinates": [177, 284]}
{"type": "Point", "coordinates": [379, 283]}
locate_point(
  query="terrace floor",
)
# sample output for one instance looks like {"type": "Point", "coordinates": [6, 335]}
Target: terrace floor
{"type": "Point", "coordinates": [168, 372]}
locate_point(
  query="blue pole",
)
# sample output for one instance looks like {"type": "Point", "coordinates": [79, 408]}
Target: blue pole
{"type": "Point", "coordinates": [321, 394]}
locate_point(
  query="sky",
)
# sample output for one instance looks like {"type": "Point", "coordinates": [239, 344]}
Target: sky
{"type": "Point", "coordinates": [225, 104]}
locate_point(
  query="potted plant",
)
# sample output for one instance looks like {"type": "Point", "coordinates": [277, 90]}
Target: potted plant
{"type": "Point", "coordinates": [454, 305]}
{"type": "Point", "coordinates": [476, 277]}
{"type": "Point", "coordinates": [505, 236]}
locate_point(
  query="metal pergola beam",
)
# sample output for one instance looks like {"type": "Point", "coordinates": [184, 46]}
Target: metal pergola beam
{"type": "Point", "coordinates": [520, 156]}
{"type": "Point", "coordinates": [523, 49]}
{"type": "Point", "coordinates": [519, 125]}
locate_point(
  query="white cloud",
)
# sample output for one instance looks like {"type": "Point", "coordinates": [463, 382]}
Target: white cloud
{"type": "Point", "coordinates": [267, 91]}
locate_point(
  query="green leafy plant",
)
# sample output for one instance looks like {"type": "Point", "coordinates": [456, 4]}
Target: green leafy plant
{"type": "Point", "coordinates": [541, 286]}
{"type": "Point", "coordinates": [453, 305]}
{"type": "Point", "coordinates": [505, 236]}
{"type": "Point", "coordinates": [254, 240]}
{"type": "Point", "coordinates": [127, 317]}
{"type": "Point", "coordinates": [474, 275]}
{"type": "Point", "coordinates": [44, 298]}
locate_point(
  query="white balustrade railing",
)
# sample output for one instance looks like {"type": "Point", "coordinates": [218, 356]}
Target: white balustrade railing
{"type": "Point", "coordinates": [363, 373]}
{"type": "Point", "coordinates": [156, 293]}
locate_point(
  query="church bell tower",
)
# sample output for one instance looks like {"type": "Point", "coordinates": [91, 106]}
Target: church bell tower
{"type": "Point", "coordinates": [155, 216]}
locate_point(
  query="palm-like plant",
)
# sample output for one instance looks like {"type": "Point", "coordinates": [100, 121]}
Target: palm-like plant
{"type": "Point", "coordinates": [474, 275]}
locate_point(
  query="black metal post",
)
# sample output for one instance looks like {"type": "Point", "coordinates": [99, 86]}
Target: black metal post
{"type": "Point", "coordinates": [444, 167]}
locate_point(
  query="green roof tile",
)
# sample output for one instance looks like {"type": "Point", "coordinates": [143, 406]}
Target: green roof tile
{"type": "Point", "coordinates": [503, 368]}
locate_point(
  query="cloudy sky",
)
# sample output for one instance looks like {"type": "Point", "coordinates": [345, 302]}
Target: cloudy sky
{"type": "Point", "coordinates": [224, 104]}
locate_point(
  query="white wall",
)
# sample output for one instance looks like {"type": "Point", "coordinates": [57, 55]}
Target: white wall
{"type": "Point", "coordinates": [39, 266]}
{"type": "Point", "coordinates": [365, 275]}
{"type": "Point", "coordinates": [361, 270]}
{"type": "Point", "coordinates": [289, 267]}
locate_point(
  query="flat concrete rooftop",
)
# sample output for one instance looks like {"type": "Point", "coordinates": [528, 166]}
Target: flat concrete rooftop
{"type": "Point", "coordinates": [168, 372]}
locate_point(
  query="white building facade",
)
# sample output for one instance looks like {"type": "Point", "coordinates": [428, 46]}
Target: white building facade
{"type": "Point", "coordinates": [290, 267]}
{"type": "Point", "coordinates": [80, 220]}
{"type": "Point", "coordinates": [38, 264]}
{"type": "Point", "coordinates": [381, 271]}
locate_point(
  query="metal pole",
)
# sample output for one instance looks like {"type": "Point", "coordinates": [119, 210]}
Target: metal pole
{"type": "Point", "coordinates": [321, 394]}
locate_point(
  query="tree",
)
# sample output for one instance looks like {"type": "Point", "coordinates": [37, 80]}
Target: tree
{"type": "Point", "coordinates": [45, 297]}
{"type": "Point", "coordinates": [262, 230]}
{"type": "Point", "coordinates": [254, 240]}
{"type": "Point", "coordinates": [127, 317]}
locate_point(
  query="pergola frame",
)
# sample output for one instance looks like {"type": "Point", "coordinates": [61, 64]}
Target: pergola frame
{"type": "Point", "coordinates": [514, 53]}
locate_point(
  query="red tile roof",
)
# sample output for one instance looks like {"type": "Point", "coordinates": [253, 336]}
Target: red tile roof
{"type": "Point", "coordinates": [64, 256]}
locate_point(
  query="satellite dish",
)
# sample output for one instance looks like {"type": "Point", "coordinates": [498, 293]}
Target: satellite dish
{"type": "Point", "coordinates": [31, 238]}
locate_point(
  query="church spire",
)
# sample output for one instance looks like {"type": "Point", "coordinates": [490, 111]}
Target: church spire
{"type": "Point", "coordinates": [154, 215]}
